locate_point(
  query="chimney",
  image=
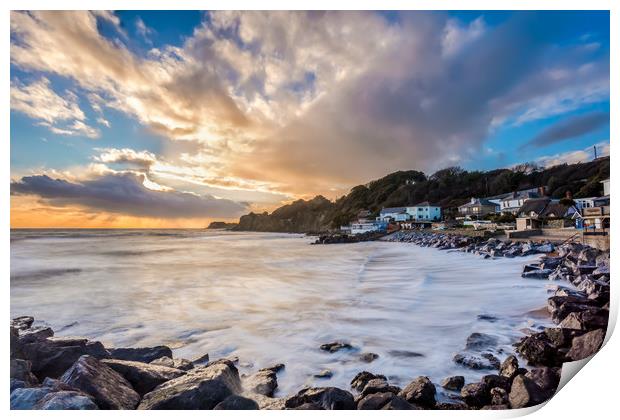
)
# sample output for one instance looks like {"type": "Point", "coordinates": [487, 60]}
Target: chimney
{"type": "Point", "coordinates": [473, 200]}
{"type": "Point", "coordinates": [514, 194]}
{"type": "Point", "coordinates": [569, 195]}
{"type": "Point", "coordinates": [541, 191]}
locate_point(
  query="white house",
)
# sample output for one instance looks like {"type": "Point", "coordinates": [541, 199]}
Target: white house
{"type": "Point", "coordinates": [513, 202]}
{"type": "Point", "coordinates": [367, 226]}
{"type": "Point", "coordinates": [424, 211]}
{"type": "Point", "coordinates": [398, 214]}
{"type": "Point", "coordinates": [584, 203]}
{"type": "Point", "coordinates": [605, 183]}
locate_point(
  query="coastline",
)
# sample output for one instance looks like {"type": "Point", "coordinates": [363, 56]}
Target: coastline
{"type": "Point", "coordinates": [512, 386]}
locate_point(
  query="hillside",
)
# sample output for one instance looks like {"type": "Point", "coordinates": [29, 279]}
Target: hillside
{"type": "Point", "coordinates": [448, 188]}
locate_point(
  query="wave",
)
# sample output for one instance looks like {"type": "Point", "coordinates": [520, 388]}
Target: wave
{"type": "Point", "coordinates": [44, 274]}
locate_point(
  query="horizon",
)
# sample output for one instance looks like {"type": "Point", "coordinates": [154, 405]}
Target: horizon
{"type": "Point", "coordinates": [152, 120]}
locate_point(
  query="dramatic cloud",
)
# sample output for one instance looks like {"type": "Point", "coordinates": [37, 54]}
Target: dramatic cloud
{"type": "Point", "coordinates": [299, 103]}
{"type": "Point", "coordinates": [143, 159]}
{"type": "Point", "coordinates": [125, 194]}
{"type": "Point", "coordinates": [570, 128]}
{"type": "Point", "coordinates": [574, 156]}
{"type": "Point", "coordinates": [39, 101]}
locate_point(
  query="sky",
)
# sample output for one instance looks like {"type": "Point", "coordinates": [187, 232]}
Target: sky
{"type": "Point", "coordinates": [176, 119]}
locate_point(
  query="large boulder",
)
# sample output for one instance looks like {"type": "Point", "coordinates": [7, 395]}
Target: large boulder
{"type": "Point", "coordinates": [420, 391]}
{"type": "Point", "coordinates": [201, 388]}
{"type": "Point", "coordinates": [453, 383]}
{"type": "Point", "coordinates": [375, 401]}
{"type": "Point", "coordinates": [586, 345]}
{"type": "Point", "coordinates": [66, 400]}
{"type": "Point", "coordinates": [335, 346]}
{"type": "Point", "coordinates": [484, 361]}
{"type": "Point", "coordinates": [586, 320]}
{"type": "Point", "coordinates": [538, 350]}
{"type": "Point", "coordinates": [143, 377]}
{"type": "Point", "coordinates": [107, 387]}
{"type": "Point", "coordinates": [524, 392]}
{"type": "Point", "coordinates": [480, 341]}
{"type": "Point", "coordinates": [378, 385]}
{"type": "Point", "coordinates": [31, 334]}
{"type": "Point", "coordinates": [399, 403]}
{"type": "Point", "coordinates": [327, 398]}
{"type": "Point", "coordinates": [509, 367]}
{"type": "Point", "coordinates": [476, 394]}
{"type": "Point", "coordinates": [140, 354]}
{"type": "Point", "coordinates": [22, 322]}
{"type": "Point", "coordinates": [562, 337]}
{"type": "Point", "coordinates": [181, 364]}
{"type": "Point", "coordinates": [547, 380]}
{"type": "Point", "coordinates": [21, 370]}
{"type": "Point", "coordinates": [361, 379]}
{"type": "Point", "coordinates": [51, 357]}
{"type": "Point", "coordinates": [263, 382]}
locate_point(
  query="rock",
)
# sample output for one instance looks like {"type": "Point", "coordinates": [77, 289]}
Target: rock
{"type": "Point", "coordinates": [524, 393]}
{"type": "Point", "coordinates": [480, 341]}
{"type": "Point", "coordinates": [201, 388]}
{"type": "Point", "coordinates": [204, 359]}
{"type": "Point", "coordinates": [398, 403]}
{"type": "Point", "coordinates": [51, 358]}
{"type": "Point", "coordinates": [335, 346]}
{"type": "Point", "coordinates": [453, 383]}
{"type": "Point", "coordinates": [16, 383]}
{"type": "Point", "coordinates": [181, 364]}
{"type": "Point", "coordinates": [263, 382]}
{"type": "Point", "coordinates": [325, 373]}
{"type": "Point", "coordinates": [236, 402]}
{"type": "Point", "coordinates": [476, 394]}
{"type": "Point", "coordinates": [66, 400]}
{"type": "Point", "coordinates": [537, 350]}
{"type": "Point", "coordinates": [143, 377]}
{"type": "Point", "coordinates": [547, 380]}
{"type": "Point", "coordinates": [141, 354]}
{"type": "Point", "coordinates": [496, 381]}
{"type": "Point", "coordinates": [484, 361]}
{"type": "Point", "coordinates": [375, 401]}
{"type": "Point", "coordinates": [499, 396]}
{"type": "Point", "coordinates": [34, 334]}
{"type": "Point", "coordinates": [586, 320]}
{"type": "Point", "coordinates": [496, 407]}
{"type": "Point", "coordinates": [537, 274]}
{"type": "Point", "coordinates": [328, 398]}
{"type": "Point", "coordinates": [509, 367]}
{"type": "Point", "coordinates": [107, 387]}
{"type": "Point", "coordinates": [20, 370]}
{"type": "Point", "coordinates": [451, 406]}
{"type": "Point", "coordinates": [404, 353]}
{"type": "Point", "coordinates": [57, 385]}
{"type": "Point", "coordinates": [420, 391]}
{"type": "Point", "coordinates": [368, 357]}
{"type": "Point", "coordinates": [545, 249]}
{"type": "Point", "coordinates": [485, 317]}
{"type": "Point", "coordinates": [16, 350]}
{"type": "Point", "coordinates": [27, 398]}
{"type": "Point", "coordinates": [361, 379]}
{"type": "Point", "coordinates": [22, 322]}
{"type": "Point", "coordinates": [275, 368]}
{"type": "Point", "coordinates": [586, 345]}
{"type": "Point", "coordinates": [308, 406]}
{"type": "Point", "coordinates": [374, 386]}
{"type": "Point", "coordinates": [561, 337]}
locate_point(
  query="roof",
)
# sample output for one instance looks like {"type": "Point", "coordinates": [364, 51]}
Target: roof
{"type": "Point", "coordinates": [424, 204]}
{"type": "Point", "coordinates": [522, 194]}
{"type": "Point", "coordinates": [555, 210]}
{"type": "Point", "coordinates": [479, 202]}
{"type": "Point", "coordinates": [393, 210]}
{"type": "Point", "coordinates": [536, 205]}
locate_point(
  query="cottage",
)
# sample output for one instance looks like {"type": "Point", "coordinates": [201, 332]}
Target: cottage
{"type": "Point", "coordinates": [398, 214]}
{"type": "Point", "coordinates": [367, 226]}
{"type": "Point", "coordinates": [605, 183]}
{"type": "Point", "coordinates": [512, 202]}
{"type": "Point", "coordinates": [535, 212]}
{"type": "Point", "coordinates": [425, 211]}
{"type": "Point", "coordinates": [478, 207]}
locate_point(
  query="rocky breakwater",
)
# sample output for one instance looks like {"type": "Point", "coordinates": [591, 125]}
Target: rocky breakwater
{"type": "Point", "coordinates": [343, 238]}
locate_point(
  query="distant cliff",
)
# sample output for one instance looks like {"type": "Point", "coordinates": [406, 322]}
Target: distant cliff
{"type": "Point", "coordinates": [448, 188]}
{"type": "Point", "coordinates": [221, 225]}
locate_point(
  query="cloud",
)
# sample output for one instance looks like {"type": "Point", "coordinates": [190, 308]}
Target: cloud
{"type": "Point", "coordinates": [575, 156]}
{"type": "Point", "coordinates": [39, 101]}
{"type": "Point", "coordinates": [125, 194]}
{"type": "Point", "coordinates": [313, 102]}
{"type": "Point", "coordinates": [143, 30]}
{"type": "Point", "coordinates": [143, 159]}
{"type": "Point", "coordinates": [570, 128]}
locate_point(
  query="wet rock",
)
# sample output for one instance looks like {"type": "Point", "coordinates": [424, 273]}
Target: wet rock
{"type": "Point", "coordinates": [404, 353]}
{"type": "Point", "coordinates": [201, 388]}
{"type": "Point", "coordinates": [27, 398]}
{"type": "Point", "coordinates": [325, 373]}
{"type": "Point", "coordinates": [143, 377]}
{"type": "Point", "coordinates": [482, 362]}
{"type": "Point", "coordinates": [453, 383]}
{"type": "Point", "coordinates": [368, 357]}
{"type": "Point", "coordinates": [586, 320]}
{"type": "Point", "coordinates": [377, 385]}
{"type": "Point", "coordinates": [308, 406]}
{"type": "Point", "coordinates": [361, 379]}
{"type": "Point", "coordinates": [328, 398]}
{"type": "Point", "coordinates": [476, 394]}
{"type": "Point", "coordinates": [22, 322]}
{"type": "Point", "coordinates": [547, 380]}
{"type": "Point", "coordinates": [66, 400]}
{"type": "Point", "coordinates": [375, 401]}
{"type": "Point", "coordinates": [496, 381]}
{"type": "Point", "coordinates": [107, 387]}
{"type": "Point", "coordinates": [537, 274]}
{"type": "Point", "coordinates": [275, 368]}
{"type": "Point", "coordinates": [34, 334]}
{"type": "Point", "coordinates": [480, 341]}
{"type": "Point", "coordinates": [236, 402]}
{"type": "Point", "coordinates": [140, 354]}
{"type": "Point", "coordinates": [420, 391]}
{"type": "Point", "coordinates": [335, 346]}
{"type": "Point", "coordinates": [525, 392]}
{"type": "Point", "coordinates": [586, 345]}
{"type": "Point", "coordinates": [16, 350]}
{"type": "Point", "coordinates": [537, 350]}
{"type": "Point", "coordinates": [263, 382]}
{"type": "Point", "coordinates": [456, 405]}
{"type": "Point", "coordinates": [509, 367]}
{"type": "Point", "coordinates": [204, 359]}
{"type": "Point", "coordinates": [398, 403]}
{"type": "Point", "coordinates": [21, 371]}
{"type": "Point", "coordinates": [496, 407]}
{"type": "Point", "coordinates": [499, 396]}
{"type": "Point", "coordinates": [561, 337]}
{"type": "Point", "coordinates": [51, 358]}
{"type": "Point", "coordinates": [181, 364]}
{"type": "Point", "coordinates": [485, 317]}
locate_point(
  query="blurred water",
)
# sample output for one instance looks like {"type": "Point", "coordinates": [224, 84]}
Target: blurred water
{"type": "Point", "coordinates": [272, 298]}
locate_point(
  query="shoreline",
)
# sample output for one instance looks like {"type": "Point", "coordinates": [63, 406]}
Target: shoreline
{"type": "Point", "coordinates": [150, 378]}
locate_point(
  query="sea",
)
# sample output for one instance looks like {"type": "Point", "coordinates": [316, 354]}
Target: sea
{"type": "Point", "coordinates": [270, 298]}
